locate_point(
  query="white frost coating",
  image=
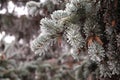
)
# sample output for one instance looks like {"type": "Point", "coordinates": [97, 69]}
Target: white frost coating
{"type": "Point", "coordinates": [96, 52]}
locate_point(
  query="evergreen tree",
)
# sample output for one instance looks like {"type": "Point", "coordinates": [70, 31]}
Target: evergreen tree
{"type": "Point", "coordinates": [78, 40]}
{"type": "Point", "coordinates": [88, 26]}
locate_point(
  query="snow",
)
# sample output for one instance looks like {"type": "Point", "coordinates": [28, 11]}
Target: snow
{"type": "Point", "coordinates": [42, 1]}
{"type": "Point", "coordinates": [10, 7]}
{"type": "Point", "coordinates": [3, 11]}
{"type": "Point", "coordinates": [2, 35]}
{"type": "Point", "coordinates": [8, 38]}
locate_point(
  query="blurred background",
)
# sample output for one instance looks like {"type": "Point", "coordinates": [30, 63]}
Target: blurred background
{"type": "Point", "coordinates": [17, 30]}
